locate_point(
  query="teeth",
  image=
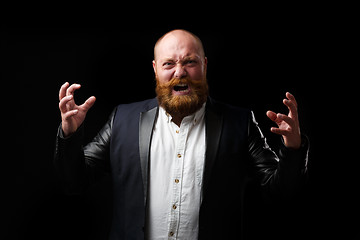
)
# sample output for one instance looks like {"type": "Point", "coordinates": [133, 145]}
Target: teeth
{"type": "Point", "coordinates": [181, 85]}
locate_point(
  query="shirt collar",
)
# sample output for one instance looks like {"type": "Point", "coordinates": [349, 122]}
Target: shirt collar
{"type": "Point", "coordinates": [193, 117]}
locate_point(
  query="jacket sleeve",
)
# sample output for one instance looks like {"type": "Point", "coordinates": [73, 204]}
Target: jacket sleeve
{"type": "Point", "coordinates": [79, 166]}
{"type": "Point", "coordinates": [279, 175]}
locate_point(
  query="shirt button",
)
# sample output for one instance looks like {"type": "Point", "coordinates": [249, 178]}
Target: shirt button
{"type": "Point", "coordinates": [179, 155]}
{"type": "Point", "coordinates": [174, 207]}
{"type": "Point", "coordinates": [177, 131]}
{"type": "Point", "coordinates": [171, 234]}
{"type": "Point", "coordinates": [177, 180]}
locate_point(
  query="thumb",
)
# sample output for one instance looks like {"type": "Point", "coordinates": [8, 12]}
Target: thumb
{"type": "Point", "coordinates": [88, 103]}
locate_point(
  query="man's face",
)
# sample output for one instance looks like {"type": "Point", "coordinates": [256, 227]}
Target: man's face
{"type": "Point", "coordinates": [180, 70]}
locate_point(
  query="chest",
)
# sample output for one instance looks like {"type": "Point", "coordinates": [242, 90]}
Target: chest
{"type": "Point", "coordinates": [178, 152]}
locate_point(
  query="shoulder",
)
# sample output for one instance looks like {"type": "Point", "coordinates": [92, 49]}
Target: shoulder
{"type": "Point", "coordinates": [227, 110]}
{"type": "Point", "coordinates": [137, 107]}
{"type": "Point", "coordinates": [234, 120]}
{"type": "Point", "coordinates": [131, 111]}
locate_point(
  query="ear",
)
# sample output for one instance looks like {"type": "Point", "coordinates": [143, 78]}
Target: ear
{"type": "Point", "coordinates": [154, 66]}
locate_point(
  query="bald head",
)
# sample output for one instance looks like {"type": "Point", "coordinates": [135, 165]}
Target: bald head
{"type": "Point", "coordinates": [178, 39]}
{"type": "Point", "coordinates": [179, 54]}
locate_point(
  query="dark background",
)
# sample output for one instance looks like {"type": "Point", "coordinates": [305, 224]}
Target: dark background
{"type": "Point", "coordinates": [252, 62]}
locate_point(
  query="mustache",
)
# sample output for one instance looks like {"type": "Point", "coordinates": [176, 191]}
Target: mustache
{"type": "Point", "coordinates": [197, 86]}
{"type": "Point", "coordinates": [176, 81]}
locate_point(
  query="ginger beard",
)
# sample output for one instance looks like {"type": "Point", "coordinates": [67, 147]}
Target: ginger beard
{"type": "Point", "coordinates": [182, 97]}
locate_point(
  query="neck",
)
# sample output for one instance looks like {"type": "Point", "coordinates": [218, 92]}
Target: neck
{"type": "Point", "coordinates": [177, 119]}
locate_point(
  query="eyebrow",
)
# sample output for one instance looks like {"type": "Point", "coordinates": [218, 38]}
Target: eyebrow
{"type": "Point", "coordinates": [187, 58]}
{"type": "Point", "coordinates": [168, 60]}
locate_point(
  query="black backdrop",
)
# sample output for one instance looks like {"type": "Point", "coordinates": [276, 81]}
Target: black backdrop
{"type": "Point", "coordinates": [250, 64]}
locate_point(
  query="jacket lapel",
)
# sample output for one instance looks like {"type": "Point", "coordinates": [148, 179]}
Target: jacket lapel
{"type": "Point", "coordinates": [213, 128]}
{"type": "Point", "coordinates": [146, 126]}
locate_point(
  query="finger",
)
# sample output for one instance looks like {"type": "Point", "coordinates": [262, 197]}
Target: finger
{"type": "Point", "coordinates": [291, 98]}
{"type": "Point", "coordinates": [291, 106]}
{"type": "Point", "coordinates": [274, 117]}
{"type": "Point", "coordinates": [72, 88]}
{"type": "Point", "coordinates": [287, 119]}
{"type": "Point", "coordinates": [279, 131]}
{"type": "Point", "coordinates": [63, 102]}
{"type": "Point", "coordinates": [69, 114]}
{"type": "Point", "coordinates": [62, 92]}
{"type": "Point", "coordinates": [271, 115]}
{"type": "Point", "coordinates": [88, 103]}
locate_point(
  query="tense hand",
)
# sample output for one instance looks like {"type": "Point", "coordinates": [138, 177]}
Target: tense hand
{"type": "Point", "coordinates": [72, 115]}
{"type": "Point", "coordinates": [288, 125]}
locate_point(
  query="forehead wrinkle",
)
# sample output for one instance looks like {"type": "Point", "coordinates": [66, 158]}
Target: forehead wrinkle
{"type": "Point", "coordinates": [177, 50]}
{"type": "Point", "coordinates": [184, 58]}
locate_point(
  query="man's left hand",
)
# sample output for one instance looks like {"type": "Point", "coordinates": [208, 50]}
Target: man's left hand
{"type": "Point", "coordinates": [288, 125]}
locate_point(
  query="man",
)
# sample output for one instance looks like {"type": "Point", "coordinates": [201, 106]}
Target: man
{"type": "Point", "coordinates": [180, 162]}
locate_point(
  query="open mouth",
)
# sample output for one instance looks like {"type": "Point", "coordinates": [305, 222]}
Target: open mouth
{"type": "Point", "coordinates": [181, 88]}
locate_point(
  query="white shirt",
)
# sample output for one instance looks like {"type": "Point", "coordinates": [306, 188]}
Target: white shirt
{"type": "Point", "coordinates": [177, 158]}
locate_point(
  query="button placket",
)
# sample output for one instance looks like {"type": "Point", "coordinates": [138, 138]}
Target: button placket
{"type": "Point", "coordinates": [181, 137]}
{"type": "Point", "coordinates": [173, 206]}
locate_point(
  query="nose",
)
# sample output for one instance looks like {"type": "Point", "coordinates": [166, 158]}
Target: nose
{"type": "Point", "coordinates": [180, 71]}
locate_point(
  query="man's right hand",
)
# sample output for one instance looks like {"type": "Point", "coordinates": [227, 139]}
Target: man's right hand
{"type": "Point", "coordinates": [72, 115]}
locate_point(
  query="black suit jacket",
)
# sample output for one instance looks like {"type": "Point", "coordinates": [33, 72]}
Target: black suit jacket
{"type": "Point", "coordinates": [236, 151]}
